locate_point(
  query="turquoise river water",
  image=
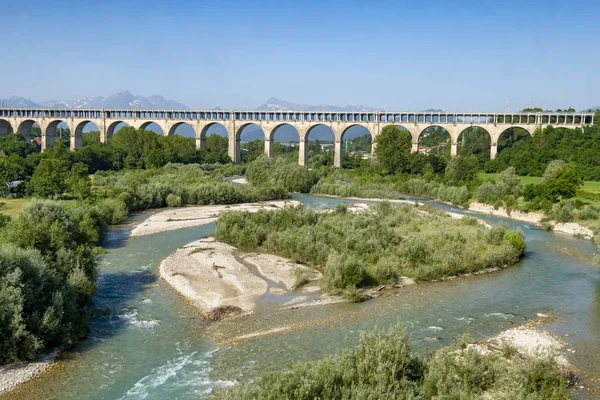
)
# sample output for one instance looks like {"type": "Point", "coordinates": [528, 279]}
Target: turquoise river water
{"type": "Point", "coordinates": [145, 342]}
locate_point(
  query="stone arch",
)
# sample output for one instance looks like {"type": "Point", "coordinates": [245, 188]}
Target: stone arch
{"type": "Point", "coordinates": [508, 137]}
{"type": "Point", "coordinates": [203, 132]}
{"type": "Point", "coordinates": [279, 126]}
{"type": "Point", "coordinates": [240, 129]}
{"type": "Point", "coordinates": [270, 146]}
{"type": "Point", "coordinates": [240, 149]}
{"type": "Point", "coordinates": [148, 125]}
{"type": "Point", "coordinates": [344, 145]}
{"type": "Point", "coordinates": [347, 128]}
{"type": "Point", "coordinates": [110, 130]}
{"type": "Point", "coordinates": [312, 128]}
{"type": "Point", "coordinates": [5, 127]}
{"type": "Point", "coordinates": [172, 129]}
{"type": "Point", "coordinates": [528, 128]}
{"type": "Point", "coordinates": [49, 132]}
{"type": "Point", "coordinates": [414, 134]}
{"type": "Point", "coordinates": [433, 130]}
{"type": "Point", "coordinates": [480, 143]}
{"type": "Point", "coordinates": [24, 129]}
{"type": "Point", "coordinates": [77, 135]}
{"type": "Point", "coordinates": [337, 150]}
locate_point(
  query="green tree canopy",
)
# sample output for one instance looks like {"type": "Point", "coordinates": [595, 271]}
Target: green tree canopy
{"type": "Point", "coordinates": [462, 169]}
{"type": "Point", "coordinates": [393, 149]}
{"type": "Point", "coordinates": [565, 182]}
{"type": "Point", "coordinates": [49, 178]}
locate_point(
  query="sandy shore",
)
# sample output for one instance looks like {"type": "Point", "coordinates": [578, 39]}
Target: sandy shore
{"type": "Point", "coordinates": [527, 341]}
{"type": "Point", "coordinates": [12, 375]}
{"type": "Point", "coordinates": [534, 218]}
{"type": "Point", "coordinates": [185, 217]}
{"type": "Point", "coordinates": [218, 280]}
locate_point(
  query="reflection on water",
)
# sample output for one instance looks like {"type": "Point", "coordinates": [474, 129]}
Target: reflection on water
{"type": "Point", "coordinates": [146, 343]}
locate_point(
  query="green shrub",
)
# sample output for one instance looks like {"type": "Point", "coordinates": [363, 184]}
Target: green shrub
{"type": "Point", "coordinates": [280, 172]}
{"type": "Point", "coordinates": [173, 200]}
{"type": "Point", "coordinates": [47, 277]}
{"type": "Point", "coordinates": [562, 211]}
{"type": "Point", "coordinates": [588, 212]}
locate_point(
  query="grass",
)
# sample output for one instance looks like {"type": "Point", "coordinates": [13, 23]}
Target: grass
{"type": "Point", "coordinates": [13, 206]}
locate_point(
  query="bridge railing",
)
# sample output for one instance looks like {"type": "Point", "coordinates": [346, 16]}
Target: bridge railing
{"type": "Point", "coordinates": [305, 116]}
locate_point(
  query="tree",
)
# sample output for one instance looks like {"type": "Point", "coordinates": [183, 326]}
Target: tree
{"type": "Point", "coordinates": [552, 168]}
{"type": "Point", "coordinates": [462, 169]}
{"type": "Point", "coordinates": [393, 149]}
{"type": "Point", "coordinates": [510, 180]}
{"type": "Point", "coordinates": [597, 118]}
{"type": "Point", "coordinates": [565, 182]}
{"type": "Point", "coordinates": [7, 173]}
{"type": "Point", "coordinates": [49, 178]}
{"type": "Point", "coordinates": [78, 181]}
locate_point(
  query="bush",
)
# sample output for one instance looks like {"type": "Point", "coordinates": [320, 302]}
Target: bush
{"type": "Point", "coordinates": [192, 184]}
{"type": "Point", "coordinates": [280, 172]}
{"type": "Point", "coordinates": [563, 211]}
{"type": "Point", "coordinates": [588, 212]}
{"type": "Point", "coordinates": [384, 367]}
{"type": "Point", "coordinates": [47, 277]}
{"type": "Point", "coordinates": [173, 200]}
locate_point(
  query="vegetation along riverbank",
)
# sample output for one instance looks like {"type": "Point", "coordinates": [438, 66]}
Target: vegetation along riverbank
{"type": "Point", "coordinates": [517, 364]}
{"type": "Point", "coordinates": [373, 247]}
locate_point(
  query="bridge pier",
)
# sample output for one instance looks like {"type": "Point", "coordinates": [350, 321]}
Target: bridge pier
{"type": "Point", "coordinates": [453, 149]}
{"type": "Point", "coordinates": [200, 143]}
{"type": "Point", "coordinates": [415, 147]}
{"type": "Point", "coordinates": [235, 151]}
{"type": "Point", "coordinates": [303, 152]}
{"type": "Point", "coordinates": [268, 147]}
{"type": "Point", "coordinates": [493, 151]}
{"type": "Point", "coordinates": [338, 157]}
{"type": "Point", "coordinates": [47, 140]}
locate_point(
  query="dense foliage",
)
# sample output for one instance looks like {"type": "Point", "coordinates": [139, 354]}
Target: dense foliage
{"type": "Point", "coordinates": [128, 148]}
{"type": "Point", "coordinates": [177, 185]}
{"type": "Point", "coordinates": [48, 275]}
{"type": "Point", "coordinates": [384, 367]}
{"type": "Point", "coordinates": [378, 246]}
{"type": "Point", "coordinates": [280, 172]}
{"type": "Point", "coordinates": [393, 149]}
{"type": "Point", "coordinates": [530, 156]}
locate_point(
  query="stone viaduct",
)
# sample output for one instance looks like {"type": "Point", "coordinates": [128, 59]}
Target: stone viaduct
{"type": "Point", "coordinates": [21, 120]}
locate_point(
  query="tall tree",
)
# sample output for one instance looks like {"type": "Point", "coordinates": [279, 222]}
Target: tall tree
{"type": "Point", "coordinates": [49, 178]}
{"type": "Point", "coordinates": [393, 149]}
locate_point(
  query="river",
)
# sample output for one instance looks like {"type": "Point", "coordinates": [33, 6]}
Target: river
{"type": "Point", "coordinates": [145, 342]}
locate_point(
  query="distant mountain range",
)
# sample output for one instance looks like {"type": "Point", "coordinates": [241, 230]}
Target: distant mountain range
{"type": "Point", "coordinates": [126, 100]}
{"type": "Point", "coordinates": [275, 104]}
{"type": "Point", "coordinates": [123, 99]}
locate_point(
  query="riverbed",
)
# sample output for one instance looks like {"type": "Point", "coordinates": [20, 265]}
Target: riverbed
{"type": "Point", "coordinates": [145, 342]}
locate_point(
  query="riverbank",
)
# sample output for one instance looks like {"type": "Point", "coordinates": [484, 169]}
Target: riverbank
{"type": "Point", "coordinates": [186, 217]}
{"type": "Point", "coordinates": [534, 218]}
{"type": "Point", "coordinates": [12, 375]}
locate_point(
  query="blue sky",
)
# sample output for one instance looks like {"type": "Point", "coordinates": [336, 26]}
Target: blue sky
{"type": "Point", "coordinates": [454, 55]}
